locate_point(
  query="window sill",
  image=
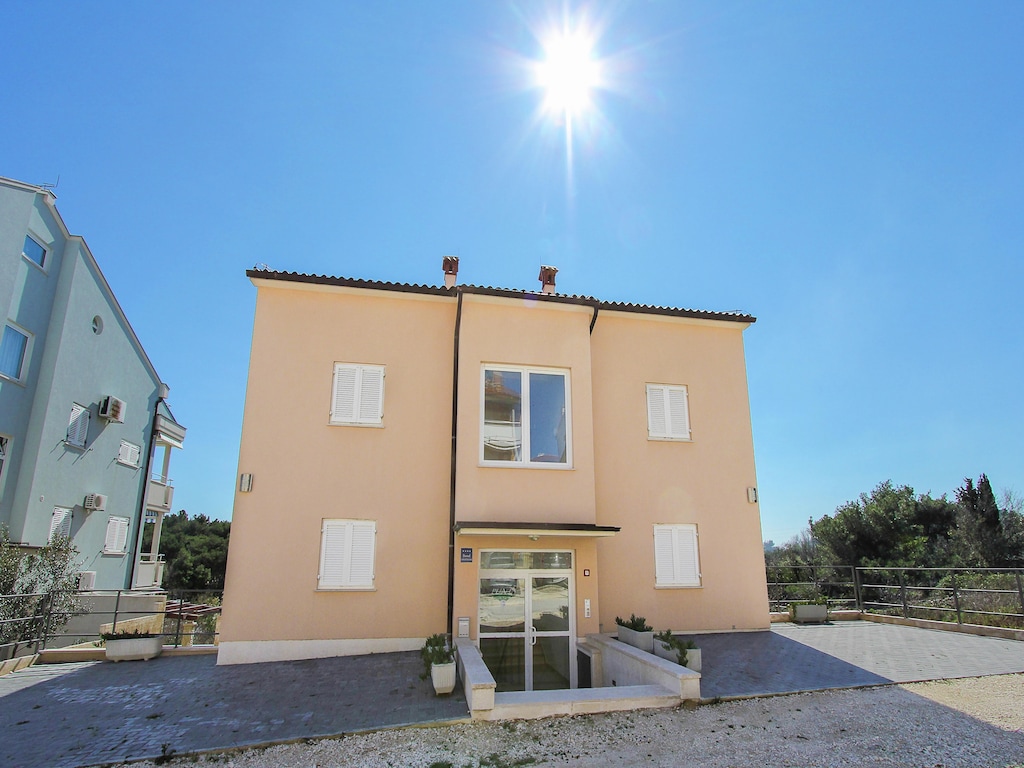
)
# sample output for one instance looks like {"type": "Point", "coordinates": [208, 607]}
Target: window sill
{"type": "Point", "coordinates": [523, 465]}
{"type": "Point", "coordinates": [76, 446]}
{"type": "Point", "coordinates": [12, 380]}
{"type": "Point", "coordinates": [354, 424]}
{"type": "Point", "coordinates": [345, 589]}
{"type": "Point", "coordinates": [670, 439]}
{"type": "Point", "coordinates": [679, 586]}
{"type": "Point", "coordinates": [36, 264]}
{"type": "Point", "coordinates": [126, 464]}
{"type": "Point", "coordinates": [113, 554]}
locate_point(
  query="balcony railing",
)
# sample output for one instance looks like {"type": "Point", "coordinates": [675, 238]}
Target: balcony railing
{"type": "Point", "coordinates": [149, 572]}
{"type": "Point", "coordinates": [159, 495]}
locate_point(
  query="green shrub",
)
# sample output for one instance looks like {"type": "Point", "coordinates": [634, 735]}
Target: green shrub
{"type": "Point", "coordinates": [636, 623]}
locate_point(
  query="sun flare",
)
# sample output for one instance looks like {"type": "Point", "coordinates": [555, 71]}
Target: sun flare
{"type": "Point", "coordinates": [568, 74]}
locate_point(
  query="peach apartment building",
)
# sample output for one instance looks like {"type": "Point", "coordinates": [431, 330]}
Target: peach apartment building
{"type": "Point", "coordinates": [514, 467]}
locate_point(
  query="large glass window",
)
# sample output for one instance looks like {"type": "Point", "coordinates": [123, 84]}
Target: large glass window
{"type": "Point", "coordinates": [12, 353]}
{"type": "Point", "coordinates": [526, 416]}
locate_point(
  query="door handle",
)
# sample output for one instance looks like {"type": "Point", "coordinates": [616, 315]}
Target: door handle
{"type": "Point", "coordinates": [533, 635]}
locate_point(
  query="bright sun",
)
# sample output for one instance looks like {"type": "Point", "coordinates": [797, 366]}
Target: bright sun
{"type": "Point", "coordinates": [568, 74]}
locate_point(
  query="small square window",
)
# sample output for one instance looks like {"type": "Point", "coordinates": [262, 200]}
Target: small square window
{"type": "Point", "coordinates": [34, 251]}
{"type": "Point", "coordinates": [668, 412]}
{"type": "Point", "coordinates": [357, 397]}
{"type": "Point", "coordinates": [13, 353]}
{"type": "Point", "coordinates": [347, 554]}
{"type": "Point", "coordinates": [129, 454]}
{"type": "Point", "coordinates": [116, 541]}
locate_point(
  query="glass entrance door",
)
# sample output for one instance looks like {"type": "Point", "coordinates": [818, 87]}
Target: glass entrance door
{"type": "Point", "coordinates": [526, 619]}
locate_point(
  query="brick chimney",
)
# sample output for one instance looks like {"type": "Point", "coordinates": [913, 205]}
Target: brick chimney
{"type": "Point", "coordinates": [547, 279]}
{"type": "Point", "coordinates": [451, 270]}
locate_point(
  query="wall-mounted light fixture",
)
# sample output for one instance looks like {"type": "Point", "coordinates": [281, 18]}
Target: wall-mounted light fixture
{"type": "Point", "coordinates": [752, 495]}
{"type": "Point", "coordinates": [245, 483]}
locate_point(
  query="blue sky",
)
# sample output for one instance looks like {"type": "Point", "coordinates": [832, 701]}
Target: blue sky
{"type": "Point", "coordinates": [851, 174]}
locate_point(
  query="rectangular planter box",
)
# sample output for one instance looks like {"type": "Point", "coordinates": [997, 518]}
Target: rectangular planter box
{"type": "Point", "coordinates": [692, 656]}
{"type": "Point", "coordinates": [806, 614]}
{"type": "Point", "coordinates": [642, 640]}
{"type": "Point", "coordinates": [134, 649]}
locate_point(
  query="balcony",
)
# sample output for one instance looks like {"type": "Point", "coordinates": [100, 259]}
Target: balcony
{"type": "Point", "coordinates": [149, 572]}
{"type": "Point", "coordinates": [159, 494]}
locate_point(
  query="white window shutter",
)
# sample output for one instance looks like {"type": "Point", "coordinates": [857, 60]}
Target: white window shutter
{"type": "Point", "coordinates": [687, 559]}
{"type": "Point", "coordinates": [371, 394]}
{"type": "Point", "coordinates": [116, 540]}
{"type": "Point", "coordinates": [129, 454]}
{"type": "Point", "coordinates": [60, 523]}
{"type": "Point", "coordinates": [664, 555]}
{"type": "Point", "coordinates": [678, 413]}
{"type": "Point", "coordinates": [676, 558]}
{"type": "Point", "coordinates": [333, 548]}
{"type": "Point", "coordinates": [78, 425]}
{"type": "Point", "coordinates": [364, 534]}
{"type": "Point", "coordinates": [343, 397]}
{"type": "Point", "coordinates": [657, 418]}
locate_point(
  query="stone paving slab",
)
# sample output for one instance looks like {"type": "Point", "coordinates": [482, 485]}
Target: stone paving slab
{"type": "Point", "coordinates": [799, 657]}
{"type": "Point", "coordinates": [101, 712]}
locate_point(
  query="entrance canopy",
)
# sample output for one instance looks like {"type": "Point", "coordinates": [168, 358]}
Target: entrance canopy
{"type": "Point", "coordinates": [535, 529]}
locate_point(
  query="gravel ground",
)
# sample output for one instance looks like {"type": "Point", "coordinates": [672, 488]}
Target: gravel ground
{"type": "Point", "coordinates": [973, 722]}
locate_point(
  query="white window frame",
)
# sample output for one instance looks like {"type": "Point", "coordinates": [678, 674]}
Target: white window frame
{"type": "Point", "coordinates": [78, 426]}
{"type": "Point", "coordinates": [347, 555]}
{"type": "Point", "coordinates": [26, 355]}
{"type": "Point", "coordinates": [358, 408]}
{"type": "Point", "coordinates": [668, 412]}
{"type": "Point", "coordinates": [60, 523]}
{"type": "Point", "coordinates": [525, 371]}
{"type": "Point", "coordinates": [46, 252]}
{"type": "Point", "coordinates": [116, 540]}
{"type": "Point", "coordinates": [676, 556]}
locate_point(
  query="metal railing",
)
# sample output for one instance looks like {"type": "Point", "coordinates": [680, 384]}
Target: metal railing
{"type": "Point", "coordinates": [30, 623]}
{"type": "Point", "coordinates": [988, 596]}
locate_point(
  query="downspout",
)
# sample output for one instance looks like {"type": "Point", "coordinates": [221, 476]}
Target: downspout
{"type": "Point", "coordinates": [147, 468]}
{"type": "Point", "coordinates": [451, 505]}
{"type": "Point", "coordinates": [593, 320]}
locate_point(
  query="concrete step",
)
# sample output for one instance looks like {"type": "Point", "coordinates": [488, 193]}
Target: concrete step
{"type": "Point", "coordinates": [530, 705]}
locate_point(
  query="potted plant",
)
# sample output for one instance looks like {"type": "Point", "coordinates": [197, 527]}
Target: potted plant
{"type": "Point", "coordinates": [636, 632]}
{"type": "Point", "coordinates": [808, 611]}
{"type": "Point", "coordinates": [682, 652]}
{"type": "Point", "coordinates": [132, 645]}
{"type": "Point", "coordinates": [439, 663]}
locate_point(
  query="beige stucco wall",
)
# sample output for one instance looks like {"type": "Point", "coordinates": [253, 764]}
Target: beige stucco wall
{"type": "Point", "coordinates": [642, 482]}
{"type": "Point", "coordinates": [533, 334]}
{"type": "Point", "coordinates": [305, 470]}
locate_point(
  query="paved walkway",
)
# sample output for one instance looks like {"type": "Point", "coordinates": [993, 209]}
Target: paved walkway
{"type": "Point", "coordinates": [69, 715]}
{"type": "Point", "coordinates": [847, 654]}
{"type": "Point", "coordinates": [72, 715]}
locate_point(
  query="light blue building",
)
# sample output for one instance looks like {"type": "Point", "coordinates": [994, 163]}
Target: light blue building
{"type": "Point", "coordinates": [85, 429]}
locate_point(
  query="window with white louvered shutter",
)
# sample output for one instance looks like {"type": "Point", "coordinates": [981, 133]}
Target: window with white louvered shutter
{"type": "Point", "coordinates": [116, 541]}
{"type": "Point", "coordinates": [347, 554]}
{"type": "Point", "coordinates": [129, 454]}
{"type": "Point", "coordinates": [676, 557]}
{"type": "Point", "coordinates": [668, 412]}
{"type": "Point", "coordinates": [357, 395]}
{"type": "Point", "coordinates": [78, 425]}
{"type": "Point", "coordinates": [60, 523]}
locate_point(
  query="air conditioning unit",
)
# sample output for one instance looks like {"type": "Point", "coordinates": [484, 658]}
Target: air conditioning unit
{"type": "Point", "coordinates": [113, 409]}
{"type": "Point", "coordinates": [86, 581]}
{"type": "Point", "coordinates": [95, 501]}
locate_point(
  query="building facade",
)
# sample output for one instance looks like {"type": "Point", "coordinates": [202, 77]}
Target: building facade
{"type": "Point", "coordinates": [514, 467]}
{"type": "Point", "coordinates": [83, 417]}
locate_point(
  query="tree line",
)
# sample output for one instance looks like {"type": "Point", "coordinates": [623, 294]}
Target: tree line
{"type": "Point", "coordinates": [195, 551]}
{"type": "Point", "coordinates": [892, 526]}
